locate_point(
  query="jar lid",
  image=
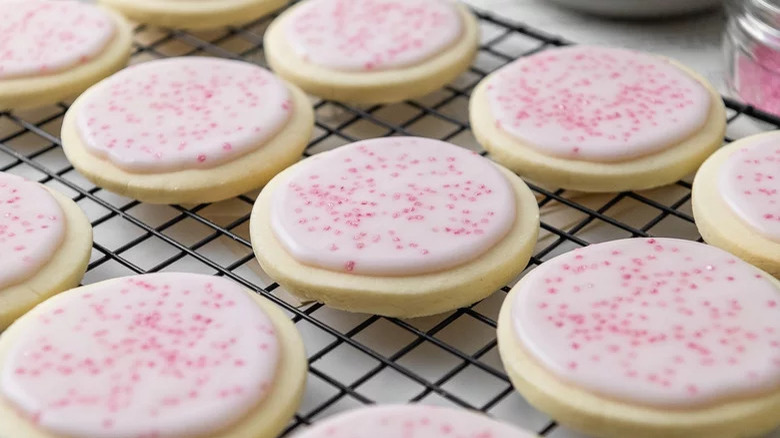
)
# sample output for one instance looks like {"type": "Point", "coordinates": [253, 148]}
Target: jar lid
{"type": "Point", "coordinates": [760, 19]}
{"type": "Point", "coordinates": [765, 11]}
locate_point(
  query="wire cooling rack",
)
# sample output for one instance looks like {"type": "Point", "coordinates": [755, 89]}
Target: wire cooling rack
{"type": "Point", "coordinates": [449, 359]}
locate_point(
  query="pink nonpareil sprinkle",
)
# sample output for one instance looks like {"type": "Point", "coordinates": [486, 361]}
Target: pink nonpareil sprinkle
{"type": "Point", "coordinates": [757, 78]}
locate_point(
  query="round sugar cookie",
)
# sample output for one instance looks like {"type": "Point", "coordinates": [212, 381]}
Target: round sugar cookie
{"type": "Point", "coordinates": [736, 200]}
{"type": "Point", "coordinates": [45, 244]}
{"type": "Point", "coordinates": [194, 14]}
{"type": "Point", "coordinates": [160, 355]}
{"type": "Point", "coordinates": [411, 421]}
{"type": "Point", "coordinates": [53, 50]}
{"type": "Point", "coordinates": [647, 338]}
{"type": "Point", "coordinates": [597, 119]}
{"type": "Point", "coordinates": [395, 226]}
{"type": "Point", "coordinates": [372, 51]}
{"type": "Point", "coordinates": [187, 130]}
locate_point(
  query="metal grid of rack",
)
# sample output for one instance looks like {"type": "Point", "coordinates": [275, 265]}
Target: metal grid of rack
{"type": "Point", "coordinates": [449, 359]}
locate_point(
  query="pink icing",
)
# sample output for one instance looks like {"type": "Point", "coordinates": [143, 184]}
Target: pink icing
{"type": "Point", "coordinates": [370, 35]}
{"type": "Point", "coordinates": [597, 104]}
{"type": "Point", "coordinates": [757, 78]}
{"type": "Point", "coordinates": [653, 321]}
{"type": "Point", "coordinates": [153, 356]}
{"type": "Point", "coordinates": [750, 184]}
{"type": "Point", "coordinates": [182, 113]}
{"type": "Point", "coordinates": [411, 421]}
{"type": "Point", "coordinates": [393, 206]}
{"type": "Point", "coordinates": [31, 228]}
{"type": "Point", "coordinates": [38, 37]}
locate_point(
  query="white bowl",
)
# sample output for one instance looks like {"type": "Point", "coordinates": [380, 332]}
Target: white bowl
{"type": "Point", "coordinates": [639, 8]}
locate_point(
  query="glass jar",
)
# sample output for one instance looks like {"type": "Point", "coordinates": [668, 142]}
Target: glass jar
{"type": "Point", "coordinates": [752, 47]}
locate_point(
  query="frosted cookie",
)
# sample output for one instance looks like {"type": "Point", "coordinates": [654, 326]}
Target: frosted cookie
{"type": "Point", "coordinates": [372, 51]}
{"type": "Point", "coordinates": [736, 200]}
{"type": "Point", "coordinates": [397, 226]}
{"type": "Point", "coordinates": [647, 338]}
{"type": "Point", "coordinates": [411, 421]}
{"type": "Point", "coordinates": [45, 244]}
{"type": "Point", "coordinates": [597, 119]}
{"type": "Point", "coordinates": [161, 355]}
{"type": "Point", "coordinates": [194, 14]}
{"type": "Point", "coordinates": [187, 130]}
{"type": "Point", "coordinates": [52, 50]}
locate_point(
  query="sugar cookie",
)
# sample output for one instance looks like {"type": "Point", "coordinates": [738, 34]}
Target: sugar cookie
{"type": "Point", "coordinates": [194, 14]}
{"type": "Point", "coordinates": [372, 51]}
{"type": "Point", "coordinates": [45, 244]}
{"type": "Point", "coordinates": [647, 338]}
{"type": "Point", "coordinates": [187, 130]}
{"type": "Point", "coordinates": [597, 119]}
{"type": "Point", "coordinates": [52, 50]}
{"type": "Point", "coordinates": [397, 226]}
{"type": "Point", "coordinates": [160, 355]}
{"type": "Point", "coordinates": [411, 421]}
{"type": "Point", "coordinates": [736, 200]}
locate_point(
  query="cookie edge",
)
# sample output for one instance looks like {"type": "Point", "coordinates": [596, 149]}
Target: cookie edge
{"type": "Point", "coordinates": [719, 225]}
{"type": "Point", "coordinates": [407, 297]}
{"type": "Point", "coordinates": [658, 169]}
{"type": "Point", "coordinates": [194, 15]}
{"type": "Point", "coordinates": [260, 422]}
{"type": "Point", "coordinates": [36, 91]}
{"type": "Point", "coordinates": [584, 411]}
{"type": "Point", "coordinates": [194, 186]}
{"type": "Point", "coordinates": [63, 271]}
{"type": "Point", "coordinates": [379, 87]}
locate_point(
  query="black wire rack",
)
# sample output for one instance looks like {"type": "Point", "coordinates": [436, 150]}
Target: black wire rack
{"type": "Point", "coordinates": [449, 359]}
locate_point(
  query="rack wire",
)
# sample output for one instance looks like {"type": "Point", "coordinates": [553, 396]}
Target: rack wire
{"type": "Point", "coordinates": [449, 359]}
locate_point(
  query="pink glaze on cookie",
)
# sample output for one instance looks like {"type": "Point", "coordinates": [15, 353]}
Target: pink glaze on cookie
{"type": "Point", "coordinates": [663, 322]}
{"type": "Point", "coordinates": [372, 35]}
{"type": "Point", "coordinates": [392, 206]}
{"type": "Point", "coordinates": [750, 184]}
{"type": "Point", "coordinates": [160, 355]}
{"type": "Point", "coordinates": [411, 421]}
{"type": "Point", "coordinates": [39, 37]}
{"type": "Point", "coordinates": [182, 113]}
{"type": "Point", "coordinates": [597, 104]}
{"type": "Point", "coordinates": [32, 227]}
